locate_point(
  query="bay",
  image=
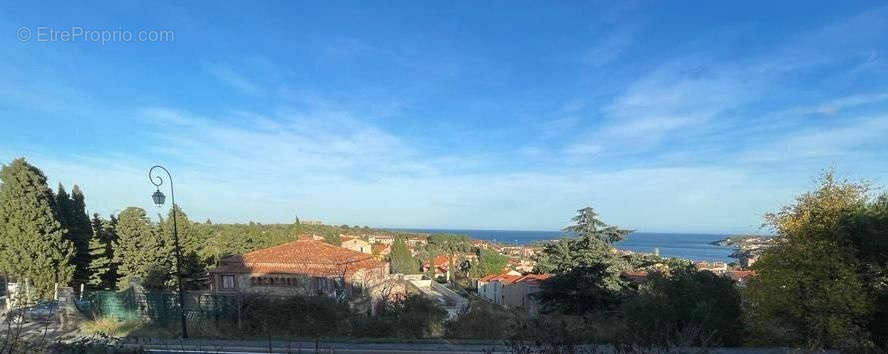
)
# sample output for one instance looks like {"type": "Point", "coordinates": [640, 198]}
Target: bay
{"type": "Point", "coordinates": [691, 246]}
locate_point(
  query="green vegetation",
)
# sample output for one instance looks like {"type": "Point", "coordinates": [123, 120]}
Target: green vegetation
{"type": "Point", "coordinates": [588, 258]}
{"type": "Point", "coordinates": [701, 306]}
{"type": "Point", "coordinates": [489, 262]}
{"type": "Point", "coordinates": [401, 259]}
{"type": "Point", "coordinates": [33, 246]}
{"type": "Point", "coordinates": [141, 253]}
{"type": "Point", "coordinates": [822, 284]}
{"type": "Point", "coordinates": [449, 245]}
{"type": "Point", "coordinates": [102, 269]}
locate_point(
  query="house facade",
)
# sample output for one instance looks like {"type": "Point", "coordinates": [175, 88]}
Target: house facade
{"type": "Point", "coordinates": [512, 289]}
{"type": "Point", "coordinates": [356, 244]}
{"type": "Point", "coordinates": [303, 267]}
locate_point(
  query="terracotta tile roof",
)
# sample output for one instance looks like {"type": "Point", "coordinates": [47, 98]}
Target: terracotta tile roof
{"type": "Point", "coordinates": [634, 276]}
{"type": "Point", "coordinates": [304, 256]}
{"type": "Point", "coordinates": [533, 279]}
{"type": "Point", "coordinates": [380, 248]}
{"type": "Point", "coordinates": [740, 275]}
{"type": "Point", "coordinates": [502, 278]}
{"type": "Point", "coordinates": [441, 261]}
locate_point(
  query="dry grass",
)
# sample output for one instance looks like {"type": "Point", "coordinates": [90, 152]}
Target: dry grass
{"type": "Point", "coordinates": [110, 327]}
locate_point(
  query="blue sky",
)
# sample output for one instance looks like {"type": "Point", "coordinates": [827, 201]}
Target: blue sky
{"type": "Point", "coordinates": [664, 116]}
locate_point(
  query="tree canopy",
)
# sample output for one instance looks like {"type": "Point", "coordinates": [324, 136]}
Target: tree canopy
{"type": "Point", "coordinates": [33, 246]}
{"type": "Point", "coordinates": [401, 260]}
{"type": "Point", "coordinates": [810, 289]}
{"type": "Point", "coordinates": [141, 252]}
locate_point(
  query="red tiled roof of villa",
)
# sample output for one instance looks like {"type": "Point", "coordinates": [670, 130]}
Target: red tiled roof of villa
{"type": "Point", "coordinates": [740, 274]}
{"type": "Point", "coordinates": [508, 278]}
{"type": "Point", "coordinates": [380, 248]}
{"type": "Point", "coordinates": [304, 256]}
{"type": "Point", "coordinates": [441, 261]}
{"type": "Point", "coordinates": [534, 279]}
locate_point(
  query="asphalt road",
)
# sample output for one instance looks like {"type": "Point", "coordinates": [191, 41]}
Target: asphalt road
{"type": "Point", "coordinates": [223, 347]}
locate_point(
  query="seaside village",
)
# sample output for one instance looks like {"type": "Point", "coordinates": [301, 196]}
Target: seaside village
{"type": "Point", "coordinates": [358, 271]}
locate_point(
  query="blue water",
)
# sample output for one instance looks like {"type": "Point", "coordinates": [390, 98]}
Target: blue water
{"type": "Point", "coordinates": [679, 245]}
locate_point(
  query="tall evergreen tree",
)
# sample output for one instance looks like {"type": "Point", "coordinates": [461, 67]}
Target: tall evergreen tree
{"type": "Point", "coordinates": [489, 262]}
{"type": "Point", "coordinates": [33, 246]}
{"type": "Point", "coordinates": [63, 206]}
{"type": "Point", "coordinates": [79, 232]}
{"type": "Point", "coordinates": [72, 215]}
{"type": "Point", "coordinates": [102, 270]}
{"type": "Point", "coordinates": [140, 252]}
{"type": "Point", "coordinates": [193, 267]}
{"type": "Point", "coordinates": [401, 259]}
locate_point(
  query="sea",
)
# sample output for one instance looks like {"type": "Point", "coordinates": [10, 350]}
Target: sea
{"type": "Point", "coordinates": [696, 247]}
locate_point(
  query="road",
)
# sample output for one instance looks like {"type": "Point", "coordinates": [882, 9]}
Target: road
{"type": "Point", "coordinates": [223, 347]}
{"type": "Point", "coordinates": [241, 347]}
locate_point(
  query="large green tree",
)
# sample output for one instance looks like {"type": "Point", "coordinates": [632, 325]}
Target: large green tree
{"type": "Point", "coordinates": [809, 290]}
{"type": "Point", "coordinates": [102, 269]}
{"type": "Point", "coordinates": [33, 246]}
{"type": "Point", "coordinates": [867, 232]}
{"type": "Point", "coordinates": [592, 245]}
{"type": "Point", "coordinates": [141, 252]}
{"type": "Point", "coordinates": [489, 262]}
{"type": "Point", "coordinates": [586, 267]}
{"type": "Point", "coordinates": [72, 214]}
{"type": "Point", "coordinates": [193, 266]}
{"type": "Point", "coordinates": [401, 260]}
{"type": "Point", "coordinates": [701, 307]}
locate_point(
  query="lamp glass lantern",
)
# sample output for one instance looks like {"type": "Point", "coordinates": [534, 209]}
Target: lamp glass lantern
{"type": "Point", "coordinates": [158, 197]}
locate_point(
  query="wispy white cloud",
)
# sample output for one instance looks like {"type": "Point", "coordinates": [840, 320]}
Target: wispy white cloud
{"type": "Point", "coordinates": [701, 94]}
{"type": "Point", "coordinates": [837, 141]}
{"type": "Point", "coordinates": [834, 106]}
{"type": "Point", "coordinates": [228, 76]}
{"type": "Point", "coordinates": [610, 47]}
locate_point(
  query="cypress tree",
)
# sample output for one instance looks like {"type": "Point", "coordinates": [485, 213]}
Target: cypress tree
{"type": "Point", "coordinates": [102, 270]}
{"type": "Point", "coordinates": [33, 246]}
{"type": "Point", "coordinates": [79, 232]}
{"type": "Point", "coordinates": [193, 268]}
{"type": "Point", "coordinates": [401, 259]}
{"type": "Point", "coordinates": [140, 252]}
{"type": "Point", "coordinates": [63, 206]}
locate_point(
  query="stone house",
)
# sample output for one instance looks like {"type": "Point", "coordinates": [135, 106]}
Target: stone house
{"type": "Point", "coordinates": [511, 289]}
{"type": "Point", "coordinates": [356, 244]}
{"type": "Point", "coordinates": [303, 267]}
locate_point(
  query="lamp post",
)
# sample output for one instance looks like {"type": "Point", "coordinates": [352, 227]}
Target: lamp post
{"type": "Point", "coordinates": [159, 198]}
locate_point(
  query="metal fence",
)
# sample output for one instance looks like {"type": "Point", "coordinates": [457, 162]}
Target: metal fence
{"type": "Point", "coordinates": [156, 306]}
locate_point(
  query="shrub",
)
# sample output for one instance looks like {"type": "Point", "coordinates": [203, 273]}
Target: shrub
{"type": "Point", "coordinates": [684, 308]}
{"type": "Point", "coordinates": [482, 320]}
{"type": "Point", "coordinates": [413, 317]}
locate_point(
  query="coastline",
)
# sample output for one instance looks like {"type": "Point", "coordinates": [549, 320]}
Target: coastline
{"type": "Point", "coordinates": [692, 246]}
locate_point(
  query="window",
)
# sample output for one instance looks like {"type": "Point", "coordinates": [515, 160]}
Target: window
{"type": "Point", "coordinates": [227, 282]}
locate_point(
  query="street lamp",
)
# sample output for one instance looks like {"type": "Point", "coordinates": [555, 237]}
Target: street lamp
{"type": "Point", "coordinates": [159, 198]}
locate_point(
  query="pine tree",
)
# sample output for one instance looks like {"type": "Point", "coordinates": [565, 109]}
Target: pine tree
{"type": "Point", "coordinates": [102, 270]}
{"type": "Point", "coordinates": [401, 259]}
{"type": "Point", "coordinates": [193, 268]}
{"type": "Point", "coordinates": [33, 246]}
{"type": "Point", "coordinates": [140, 252]}
{"type": "Point", "coordinates": [79, 232]}
{"type": "Point", "coordinates": [63, 205]}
